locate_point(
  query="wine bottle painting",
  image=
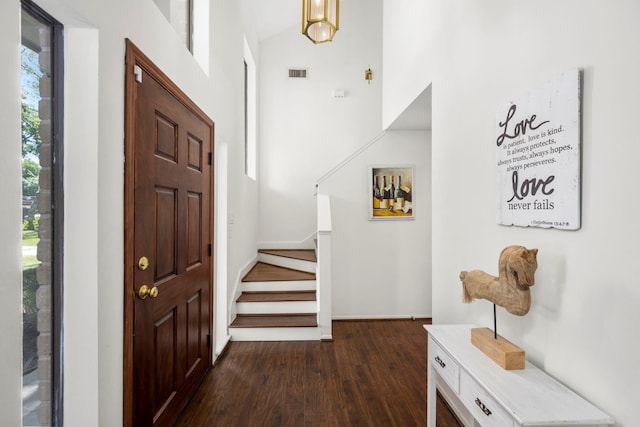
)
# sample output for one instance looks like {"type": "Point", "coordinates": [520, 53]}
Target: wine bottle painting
{"type": "Point", "coordinates": [391, 192]}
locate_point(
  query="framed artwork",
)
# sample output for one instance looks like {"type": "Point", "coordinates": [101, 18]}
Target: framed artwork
{"type": "Point", "coordinates": [391, 192]}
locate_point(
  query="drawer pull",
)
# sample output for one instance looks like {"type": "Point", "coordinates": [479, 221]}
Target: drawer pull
{"type": "Point", "coordinates": [440, 362]}
{"type": "Point", "coordinates": [482, 406]}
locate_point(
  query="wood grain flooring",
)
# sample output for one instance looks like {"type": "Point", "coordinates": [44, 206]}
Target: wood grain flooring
{"type": "Point", "coordinates": [263, 272]}
{"type": "Point", "coordinates": [303, 254]}
{"type": "Point", "coordinates": [372, 374]}
{"type": "Point", "coordinates": [274, 296]}
{"type": "Point", "coordinates": [275, 321]}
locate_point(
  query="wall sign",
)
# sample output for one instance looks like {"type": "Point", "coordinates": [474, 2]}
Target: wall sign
{"type": "Point", "coordinates": [538, 156]}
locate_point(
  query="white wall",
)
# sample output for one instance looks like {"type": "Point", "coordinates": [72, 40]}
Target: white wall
{"type": "Point", "coordinates": [304, 131]}
{"type": "Point", "coordinates": [93, 380]}
{"type": "Point", "coordinates": [381, 269]}
{"type": "Point", "coordinates": [479, 55]}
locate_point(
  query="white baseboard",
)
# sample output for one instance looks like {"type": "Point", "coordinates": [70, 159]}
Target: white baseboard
{"type": "Point", "coordinates": [237, 290]}
{"type": "Point", "coordinates": [221, 349]}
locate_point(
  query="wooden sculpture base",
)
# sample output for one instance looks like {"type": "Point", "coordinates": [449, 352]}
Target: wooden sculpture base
{"type": "Point", "coordinates": [501, 351]}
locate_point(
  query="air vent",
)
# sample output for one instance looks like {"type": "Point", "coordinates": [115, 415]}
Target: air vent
{"type": "Point", "coordinates": [297, 73]}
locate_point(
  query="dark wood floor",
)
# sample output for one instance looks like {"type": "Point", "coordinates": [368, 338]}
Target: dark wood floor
{"type": "Point", "coordinates": [275, 296]}
{"type": "Point", "coordinates": [303, 254]}
{"type": "Point", "coordinates": [372, 374]}
{"type": "Point", "coordinates": [263, 272]}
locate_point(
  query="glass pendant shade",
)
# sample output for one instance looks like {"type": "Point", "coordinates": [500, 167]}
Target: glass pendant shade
{"type": "Point", "coordinates": [320, 19]}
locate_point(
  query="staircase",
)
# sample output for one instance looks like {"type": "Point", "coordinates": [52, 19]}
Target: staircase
{"type": "Point", "coordinates": [278, 299]}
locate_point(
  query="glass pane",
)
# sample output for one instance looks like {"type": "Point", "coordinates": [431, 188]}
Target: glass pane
{"type": "Point", "coordinates": [178, 13]}
{"type": "Point", "coordinates": [36, 220]}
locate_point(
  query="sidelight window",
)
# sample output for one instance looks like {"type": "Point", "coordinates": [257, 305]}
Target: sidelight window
{"type": "Point", "coordinates": [41, 78]}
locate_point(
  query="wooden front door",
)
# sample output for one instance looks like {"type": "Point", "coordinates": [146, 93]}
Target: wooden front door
{"type": "Point", "coordinates": [168, 245]}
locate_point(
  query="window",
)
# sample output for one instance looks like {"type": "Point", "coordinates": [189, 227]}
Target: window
{"type": "Point", "coordinates": [41, 81]}
{"type": "Point", "coordinates": [250, 143]}
{"type": "Point", "coordinates": [179, 13]}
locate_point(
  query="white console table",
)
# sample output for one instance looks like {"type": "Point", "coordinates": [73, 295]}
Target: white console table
{"type": "Point", "coordinates": [481, 393]}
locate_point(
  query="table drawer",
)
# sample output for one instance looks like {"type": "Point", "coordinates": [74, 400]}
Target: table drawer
{"type": "Point", "coordinates": [481, 405]}
{"type": "Point", "coordinates": [444, 365]}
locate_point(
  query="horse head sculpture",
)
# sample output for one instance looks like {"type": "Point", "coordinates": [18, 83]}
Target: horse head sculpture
{"type": "Point", "coordinates": [517, 266]}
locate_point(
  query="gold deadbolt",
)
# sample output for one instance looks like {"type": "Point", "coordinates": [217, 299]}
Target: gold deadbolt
{"type": "Point", "coordinates": [147, 291]}
{"type": "Point", "coordinates": [143, 263]}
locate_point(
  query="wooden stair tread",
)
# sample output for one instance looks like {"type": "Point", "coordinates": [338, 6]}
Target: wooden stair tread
{"type": "Point", "coordinates": [274, 296]}
{"type": "Point", "coordinates": [301, 254]}
{"type": "Point", "coordinates": [263, 272]}
{"type": "Point", "coordinates": [275, 321]}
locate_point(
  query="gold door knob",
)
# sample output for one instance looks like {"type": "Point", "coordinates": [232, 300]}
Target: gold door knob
{"type": "Point", "coordinates": [147, 291]}
{"type": "Point", "coordinates": [153, 292]}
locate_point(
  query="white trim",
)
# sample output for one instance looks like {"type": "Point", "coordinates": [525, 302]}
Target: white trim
{"type": "Point", "coordinates": [237, 290]}
{"type": "Point", "coordinates": [82, 312]}
{"type": "Point", "coordinates": [10, 212]}
{"type": "Point", "coordinates": [221, 346]}
{"type": "Point", "coordinates": [292, 285]}
{"type": "Point", "coordinates": [220, 251]}
{"type": "Point", "coordinates": [277, 307]}
{"type": "Point", "coordinates": [276, 334]}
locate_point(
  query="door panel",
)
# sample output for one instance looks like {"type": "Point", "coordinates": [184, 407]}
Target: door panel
{"type": "Point", "coordinates": [195, 153]}
{"type": "Point", "coordinates": [166, 210]}
{"type": "Point", "coordinates": [165, 330]}
{"type": "Point", "coordinates": [194, 333]}
{"type": "Point", "coordinates": [166, 138]}
{"type": "Point", "coordinates": [169, 221]}
{"type": "Point", "coordinates": [194, 230]}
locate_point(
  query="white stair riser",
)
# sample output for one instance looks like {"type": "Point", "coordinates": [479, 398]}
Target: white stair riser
{"type": "Point", "coordinates": [277, 307]}
{"type": "Point", "coordinates": [296, 264]}
{"type": "Point", "coordinates": [275, 334]}
{"type": "Point", "coordinates": [301, 285]}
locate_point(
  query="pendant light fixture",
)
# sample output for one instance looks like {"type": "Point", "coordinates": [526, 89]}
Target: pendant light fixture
{"type": "Point", "coordinates": [320, 19]}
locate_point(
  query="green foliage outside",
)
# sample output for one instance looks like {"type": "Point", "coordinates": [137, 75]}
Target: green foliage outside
{"type": "Point", "coordinates": [32, 222]}
{"type": "Point", "coordinates": [31, 142]}
{"type": "Point", "coordinates": [30, 135]}
{"type": "Point", "coordinates": [30, 129]}
{"type": "Point", "coordinates": [30, 175]}
{"type": "Point", "coordinates": [29, 288]}
{"type": "Point", "coordinates": [31, 75]}
{"type": "Point", "coordinates": [30, 238]}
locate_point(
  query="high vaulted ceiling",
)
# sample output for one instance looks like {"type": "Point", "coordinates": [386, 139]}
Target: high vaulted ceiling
{"type": "Point", "coordinates": [271, 17]}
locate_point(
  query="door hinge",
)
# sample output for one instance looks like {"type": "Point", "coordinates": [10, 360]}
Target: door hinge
{"type": "Point", "coordinates": [137, 71]}
{"type": "Point", "coordinates": [208, 340]}
{"type": "Point", "coordinates": [210, 158]}
{"type": "Point", "coordinates": [209, 249]}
